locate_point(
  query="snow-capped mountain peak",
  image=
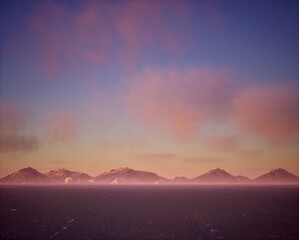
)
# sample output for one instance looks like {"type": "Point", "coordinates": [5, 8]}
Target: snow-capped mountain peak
{"type": "Point", "coordinates": [279, 175]}
{"type": "Point", "coordinates": [217, 171]}
{"type": "Point", "coordinates": [128, 175]}
{"type": "Point", "coordinates": [119, 171]}
{"type": "Point", "coordinates": [60, 175]}
{"type": "Point", "coordinates": [27, 171]}
{"type": "Point", "coordinates": [58, 172]}
{"type": "Point", "coordinates": [25, 175]}
{"type": "Point", "coordinates": [215, 176]}
{"type": "Point", "coordinates": [278, 172]}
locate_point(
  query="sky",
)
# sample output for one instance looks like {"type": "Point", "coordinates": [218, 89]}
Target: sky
{"type": "Point", "coordinates": [173, 87]}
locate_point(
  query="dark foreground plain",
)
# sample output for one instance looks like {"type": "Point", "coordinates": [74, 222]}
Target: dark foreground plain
{"type": "Point", "coordinates": [149, 212]}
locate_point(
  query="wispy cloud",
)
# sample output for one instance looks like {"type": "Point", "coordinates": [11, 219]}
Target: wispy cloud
{"type": "Point", "coordinates": [198, 160]}
{"type": "Point", "coordinates": [122, 144]}
{"type": "Point", "coordinates": [181, 101]}
{"type": "Point", "coordinates": [61, 128]}
{"type": "Point", "coordinates": [223, 143]}
{"type": "Point", "coordinates": [101, 32]}
{"type": "Point", "coordinates": [156, 157]}
{"type": "Point", "coordinates": [14, 134]}
{"type": "Point", "coordinates": [270, 112]}
{"type": "Point", "coordinates": [17, 143]}
{"type": "Point", "coordinates": [14, 117]}
{"type": "Point", "coordinates": [249, 154]}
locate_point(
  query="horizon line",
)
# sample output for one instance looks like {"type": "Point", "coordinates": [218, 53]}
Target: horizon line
{"type": "Point", "coordinates": [190, 178]}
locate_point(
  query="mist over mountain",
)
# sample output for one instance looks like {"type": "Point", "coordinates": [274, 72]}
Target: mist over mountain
{"type": "Point", "coordinates": [181, 180]}
{"type": "Point", "coordinates": [176, 180]}
{"type": "Point", "coordinates": [243, 179]}
{"type": "Point", "coordinates": [130, 176]}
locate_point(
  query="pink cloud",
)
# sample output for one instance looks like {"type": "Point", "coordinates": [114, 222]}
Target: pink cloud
{"type": "Point", "coordinates": [128, 143]}
{"type": "Point", "coordinates": [226, 143]}
{"type": "Point", "coordinates": [13, 117]}
{"type": "Point", "coordinates": [60, 39]}
{"type": "Point", "coordinates": [141, 23]}
{"type": "Point", "coordinates": [180, 101]}
{"type": "Point", "coordinates": [17, 143]}
{"type": "Point", "coordinates": [61, 128]}
{"type": "Point", "coordinates": [250, 154]}
{"type": "Point", "coordinates": [268, 111]}
{"type": "Point", "coordinates": [15, 136]}
{"type": "Point", "coordinates": [156, 157]}
{"type": "Point", "coordinates": [231, 144]}
{"type": "Point", "coordinates": [202, 160]}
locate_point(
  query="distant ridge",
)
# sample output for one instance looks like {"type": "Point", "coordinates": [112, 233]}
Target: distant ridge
{"type": "Point", "coordinates": [243, 179]}
{"type": "Point", "coordinates": [181, 180]}
{"type": "Point", "coordinates": [130, 176]}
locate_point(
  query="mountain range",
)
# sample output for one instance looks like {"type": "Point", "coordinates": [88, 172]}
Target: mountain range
{"type": "Point", "coordinates": [63, 175]}
{"type": "Point", "coordinates": [129, 176]}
